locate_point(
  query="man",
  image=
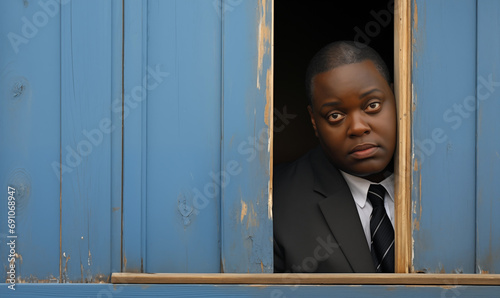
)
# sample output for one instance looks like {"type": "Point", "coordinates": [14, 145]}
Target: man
{"type": "Point", "coordinates": [334, 207]}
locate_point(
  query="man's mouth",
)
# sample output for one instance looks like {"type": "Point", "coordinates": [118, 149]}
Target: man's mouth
{"type": "Point", "coordinates": [364, 150]}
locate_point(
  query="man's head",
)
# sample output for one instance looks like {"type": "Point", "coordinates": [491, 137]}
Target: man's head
{"type": "Point", "coordinates": [352, 109]}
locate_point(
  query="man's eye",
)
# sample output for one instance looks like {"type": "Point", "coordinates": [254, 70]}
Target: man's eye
{"type": "Point", "coordinates": [373, 107]}
{"type": "Point", "coordinates": [335, 117]}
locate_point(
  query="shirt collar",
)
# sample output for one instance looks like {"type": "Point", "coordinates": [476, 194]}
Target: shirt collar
{"type": "Point", "coordinates": [359, 187]}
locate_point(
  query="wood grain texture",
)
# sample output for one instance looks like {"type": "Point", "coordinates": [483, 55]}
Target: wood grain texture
{"type": "Point", "coordinates": [308, 279]}
{"type": "Point", "coordinates": [116, 135]}
{"type": "Point", "coordinates": [30, 138]}
{"type": "Point", "coordinates": [246, 206]}
{"type": "Point", "coordinates": [443, 136]}
{"type": "Point", "coordinates": [134, 101]}
{"type": "Point", "coordinates": [488, 142]}
{"type": "Point", "coordinates": [86, 79]}
{"type": "Point", "coordinates": [183, 137]}
{"type": "Point", "coordinates": [402, 87]}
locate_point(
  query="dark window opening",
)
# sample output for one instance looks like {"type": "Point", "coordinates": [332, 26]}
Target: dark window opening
{"type": "Point", "coordinates": [301, 28]}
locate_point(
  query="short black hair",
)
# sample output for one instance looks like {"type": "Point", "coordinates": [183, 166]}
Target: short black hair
{"type": "Point", "coordinates": [340, 53]}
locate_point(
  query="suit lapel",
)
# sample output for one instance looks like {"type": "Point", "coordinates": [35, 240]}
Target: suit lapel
{"type": "Point", "coordinates": [340, 213]}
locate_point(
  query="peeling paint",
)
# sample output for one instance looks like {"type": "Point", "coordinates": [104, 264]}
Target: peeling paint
{"type": "Point", "coordinates": [65, 271]}
{"type": "Point", "coordinates": [116, 209]}
{"type": "Point", "coordinates": [244, 209]}
{"type": "Point", "coordinates": [124, 263]}
{"type": "Point", "coordinates": [418, 215]}
{"type": "Point", "coordinates": [269, 96]}
{"type": "Point", "coordinates": [252, 217]}
{"type": "Point", "coordinates": [264, 38]}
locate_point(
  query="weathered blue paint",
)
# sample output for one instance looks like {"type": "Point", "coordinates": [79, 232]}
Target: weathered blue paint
{"type": "Point", "coordinates": [488, 142]}
{"type": "Point", "coordinates": [86, 113]}
{"type": "Point", "coordinates": [183, 137]}
{"type": "Point", "coordinates": [246, 218]}
{"type": "Point", "coordinates": [275, 291]}
{"type": "Point", "coordinates": [30, 138]}
{"type": "Point", "coordinates": [134, 140]}
{"type": "Point", "coordinates": [443, 190]}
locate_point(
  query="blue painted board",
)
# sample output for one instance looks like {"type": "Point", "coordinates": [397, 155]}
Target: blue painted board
{"type": "Point", "coordinates": [136, 74]}
{"type": "Point", "coordinates": [275, 291]}
{"type": "Point", "coordinates": [183, 137]}
{"type": "Point", "coordinates": [246, 219]}
{"type": "Point", "coordinates": [116, 136]}
{"type": "Point", "coordinates": [86, 98]}
{"type": "Point", "coordinates": [30, 137]}
{"type": "Point", "coordinates": [443, 140]}
{"type": "Point", "coordinates": [488, 140]}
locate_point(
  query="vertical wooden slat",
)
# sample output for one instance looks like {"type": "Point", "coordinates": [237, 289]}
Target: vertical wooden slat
{"type": "Point", "coordinates": [116, 135]}
{"type": "Point", "coordinates": [86, 110]}
{"type": "Point", "coordinates": [443, 136]}
{"type": "Point", "coordinates": [134, 142]}
{"type": "Point", "coordinates": [488, 142]}
{"type": "Point", "coordinates": [183, 137]}
{"type": "Point", "coordinates": [30, 137]}
{"type": "Point", "coordinates": [247, 126]}
{"type": "Point", "coordinates": [402, 87]}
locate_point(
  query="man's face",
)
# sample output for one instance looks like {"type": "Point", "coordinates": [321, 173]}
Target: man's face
{"type": "Point", "coordinates": [354, 118]}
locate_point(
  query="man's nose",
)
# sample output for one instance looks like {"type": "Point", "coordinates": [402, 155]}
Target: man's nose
{"type": "Point", "coordinates": [358, 125]}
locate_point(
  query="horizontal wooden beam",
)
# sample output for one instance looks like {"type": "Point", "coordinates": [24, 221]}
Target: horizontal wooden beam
{"type": "Point", "coordinates": [307, 279]}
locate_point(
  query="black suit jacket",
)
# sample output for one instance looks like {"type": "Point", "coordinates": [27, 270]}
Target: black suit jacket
{"type": "Point", "coordinates": [316, 223]}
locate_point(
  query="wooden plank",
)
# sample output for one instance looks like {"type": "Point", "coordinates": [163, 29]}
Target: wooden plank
{"type": "Point", "coordinates": [277, 291]}
{"type": "Point", "coordinates": [488, 143]}
{"type": "Point", "coordinates": [246, 217]}
{"type": "Point", "coordinates": [30, 137]}
{"type": "Point", "coordinates": [443, 136]}
{"type": "Point", "coordinates": [116, 135]}
{"type": "Point", "coordinates": [184, 133]}
{"type": "Point", "coordinates": [86, 78]}
{"type": "Point", "coordinates": [402, 87]}
{"type": "Point", "coordinates": [307, 279]}
{"type": "Point", "coordinates": [135, 136]}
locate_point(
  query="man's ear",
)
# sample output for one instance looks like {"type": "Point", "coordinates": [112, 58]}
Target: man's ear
{"type": "Point", "coordinates": [309, 108]}
{"type": "Point", "coordinates": [392, 87]}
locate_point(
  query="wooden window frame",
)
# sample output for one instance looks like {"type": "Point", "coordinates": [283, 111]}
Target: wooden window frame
{"type": "Point", "coordinates": [403, 252]}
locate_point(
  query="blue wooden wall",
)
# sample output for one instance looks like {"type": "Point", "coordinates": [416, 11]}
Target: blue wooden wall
{"type": "Point", "coordinates": [487, 137]}
{"type": "Point", "coordinates": [138, 137]}
{"type": "Point", "coordinates": [455, 145]}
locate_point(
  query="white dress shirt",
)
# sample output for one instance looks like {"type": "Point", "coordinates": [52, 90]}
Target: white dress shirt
{"type": "Point", "coordinates": [359, 190]}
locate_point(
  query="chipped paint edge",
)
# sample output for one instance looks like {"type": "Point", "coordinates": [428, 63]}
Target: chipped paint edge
{"type": "Point", "coordinates": [264, 35]}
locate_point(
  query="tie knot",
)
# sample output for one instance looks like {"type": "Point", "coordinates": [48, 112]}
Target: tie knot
{"type": "Point", "coordinates": [376, 194]}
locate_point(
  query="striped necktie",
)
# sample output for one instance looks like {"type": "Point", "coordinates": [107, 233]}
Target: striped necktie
{"type": "Point", "coordinates": [382, 232]}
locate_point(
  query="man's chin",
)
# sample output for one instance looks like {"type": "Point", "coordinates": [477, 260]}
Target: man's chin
{"type": "Point", "coordinates": [374, 174]}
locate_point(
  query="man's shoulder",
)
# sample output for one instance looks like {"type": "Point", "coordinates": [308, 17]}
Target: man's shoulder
{"type": "Point", "coordinates": [296, 178]}
{"type": "Point", "coordinates": [299, 169]}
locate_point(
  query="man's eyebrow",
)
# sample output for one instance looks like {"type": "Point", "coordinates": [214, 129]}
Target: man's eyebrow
{"type": "Point", "coordinates": [332, 103]}
{"type": "Point", "coordinates": [368, 92]}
